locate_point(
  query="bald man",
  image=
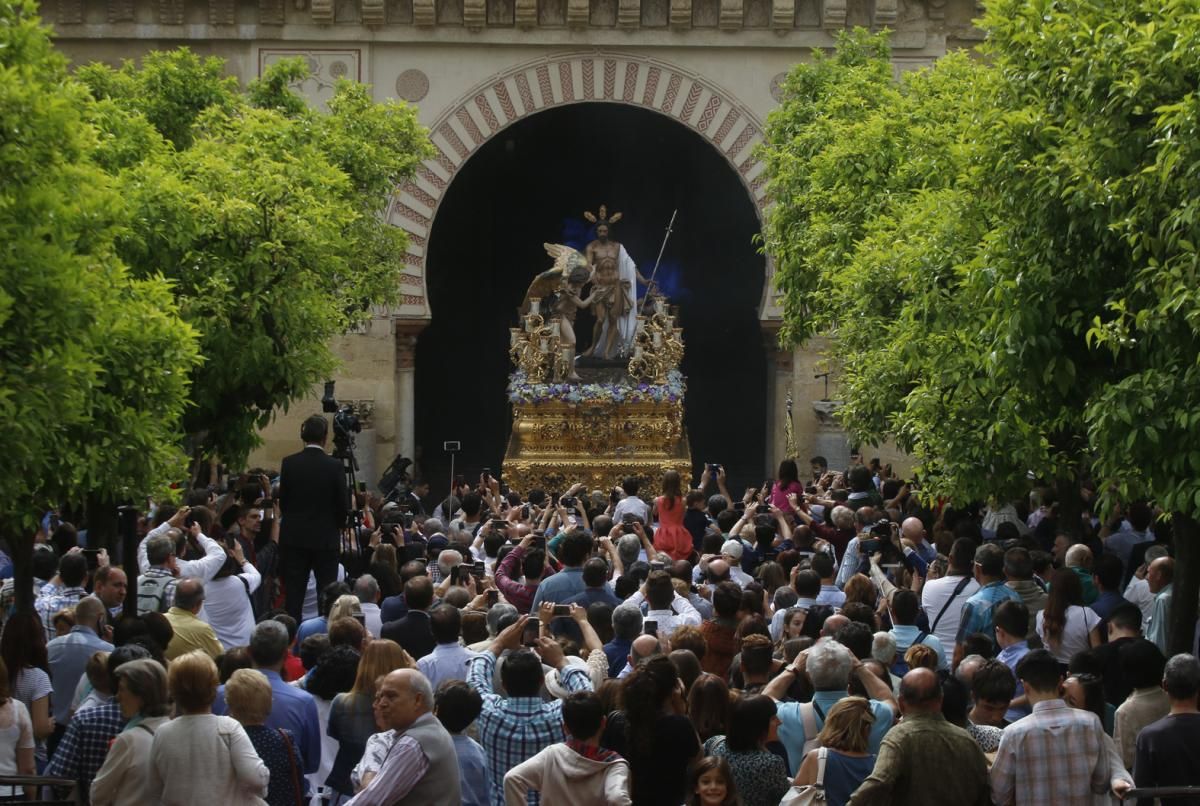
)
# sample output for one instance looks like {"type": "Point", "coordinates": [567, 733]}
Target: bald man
{"type": "Point", "coordinates": [190, 632]}
{"type": "Point", "coordinates": [1159, 577]}
{"type": "Point", "coordinates": [644, 646]}
{"type": "Point", "coordinates": [422, 766]}
{"type": "Point", "coordinates": [915, 755]}
{"type": "Point", "coordinates": [913, 530]}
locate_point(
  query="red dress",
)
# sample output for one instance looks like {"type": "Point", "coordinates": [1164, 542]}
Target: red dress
{"type": "Point", "coordinates": [671, 537]}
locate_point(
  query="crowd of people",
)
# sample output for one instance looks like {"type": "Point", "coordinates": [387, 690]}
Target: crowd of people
{"type": "Point", "coordinates": [824, 637]}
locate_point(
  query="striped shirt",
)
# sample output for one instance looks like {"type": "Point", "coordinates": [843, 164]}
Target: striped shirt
{"type": "Point", "coordinates": [1055, 756]}
{"type": "Point", "coordinates": [404, 766]}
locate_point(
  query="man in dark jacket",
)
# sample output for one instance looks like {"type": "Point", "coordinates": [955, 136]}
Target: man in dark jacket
{"type": "Point", "coordinates": [313, 505]}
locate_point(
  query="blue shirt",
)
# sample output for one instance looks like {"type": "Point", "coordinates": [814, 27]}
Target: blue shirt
{"type": "Point", "coordinates": [393, 607]}
{"type": "Point", "coordinates": [589, 596]}
{"type": "Point", "coordinates": [68, 655]}
{"type": "Point", "coordinates": [906, 635]}
{"type": "Point", "coordinates": [475, 781]}
{"type": "Point", "coordinates": [313, 626]}
{"type": "Point", "coordinates": [559, 587]}
{"type": "Point", "coordinates": [1010, 656]}
{"type": "Point", "coordinates": [977, 612]}
{"type": "Point", "coordinates": [1105, 604]}
{"type": "Point", "coordinates": [617, 651]}
{"type": "Point", "coordinates": [292, 708]}
{"type": "Point", "coordinates": [791, 723]}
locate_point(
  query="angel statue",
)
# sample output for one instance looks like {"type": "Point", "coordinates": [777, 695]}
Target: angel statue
{"type": "Point", "coordinates": [561, 286]}
{"type": "Point", "coordinates": [614, 294]}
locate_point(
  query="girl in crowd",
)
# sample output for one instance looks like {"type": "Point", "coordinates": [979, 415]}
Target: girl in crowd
{"type": "Point", "coordinates": [16, 738]}
{"type": "Point", "coordinates": [671, 537]}
{"type": "Point", "coordinates": [787, 482]}
{"type": "Point", "coordinates": [1066, 627]}
{"type": "Point", "coordinates": [710, 783]}
{"type": "Point", "coordinates": [23, 648]}
{"type": "Point", "coordinates": [760, 775]}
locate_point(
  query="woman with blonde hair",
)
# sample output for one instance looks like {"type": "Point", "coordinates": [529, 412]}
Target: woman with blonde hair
{"type": "Point", "coordinates": [921, 656]}
{"type": "Point", "coordinates": [352, 717]}
{"type": "Point", "coordinates": [200, 758]}
{"type": "Point", "coordinates": [248, 696]}
{"type": "Point", "coordinates": [844, 739]}
{"type": "Point", "coordinates": [142, 695]}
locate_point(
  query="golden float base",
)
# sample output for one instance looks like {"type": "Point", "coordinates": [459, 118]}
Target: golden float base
{"type": "Point", "coordinates": [561, 437]}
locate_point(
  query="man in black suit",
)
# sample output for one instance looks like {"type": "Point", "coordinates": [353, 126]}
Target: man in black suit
{"type": "Point", "coordinates": [313, 506]}
{"type": "Point", "coordinates": [412, 631]}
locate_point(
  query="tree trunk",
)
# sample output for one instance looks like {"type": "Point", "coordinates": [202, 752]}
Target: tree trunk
{"type": "Point", "coordinates": [127, 521]}
{"type": "Point", "coordinates": [1070, 506]}
{"type": "Point", "coordinates": [20, 543]}
{"type": "Point", "coordinates": [101, 523]}
{"type": "Point", "coordinates": [1185, 587]}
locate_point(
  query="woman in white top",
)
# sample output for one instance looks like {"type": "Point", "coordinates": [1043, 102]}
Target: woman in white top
{"type": "Point", "coordinates": [227, 599]}
{"type": "Point", "coordinates": [16, 737]}
{"type": "Point", "coordinates": [23, 648]}
{"type": "Point", "coordinates": [142, 695]}
{"type": "Point", "coordinates": [200, 759]}
{"type": "Point", "coordinates": [1066, 627]}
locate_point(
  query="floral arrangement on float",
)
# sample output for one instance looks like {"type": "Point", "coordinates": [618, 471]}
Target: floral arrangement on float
{"type": "Point", "coordinates": [521, 391]}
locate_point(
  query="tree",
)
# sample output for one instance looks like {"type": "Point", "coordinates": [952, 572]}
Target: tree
{"type": "Point", "coordinates": [93, 361]}
{"type": "Point", "coordinates": [266, 215]}
{"type": "Point", "coordinates": [1027, 300]}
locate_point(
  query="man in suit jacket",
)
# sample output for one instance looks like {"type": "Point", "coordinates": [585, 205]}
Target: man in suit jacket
{"type": "Point", "coordinates": [313, 504]}
{"type": "Point", "coordinates": [413, 631]}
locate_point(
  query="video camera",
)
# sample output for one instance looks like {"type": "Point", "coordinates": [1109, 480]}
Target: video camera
{"type": "Point", "coordinates": [345, 422]}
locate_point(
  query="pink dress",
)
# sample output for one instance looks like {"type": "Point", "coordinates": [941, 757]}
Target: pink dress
{"type": "Point", "coordinates": [671, 537]}
{"type": "Point", "coordinates": [779, 494]}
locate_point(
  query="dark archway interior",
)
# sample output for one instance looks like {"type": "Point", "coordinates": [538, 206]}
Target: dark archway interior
{"type": "Point", "coordinates": [530, 184]}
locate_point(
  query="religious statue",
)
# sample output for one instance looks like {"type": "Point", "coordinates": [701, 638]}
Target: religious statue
{"type": "Point", "coordinates": [561, 286]}
{"type": "Point", "coordinates": [614, 294]}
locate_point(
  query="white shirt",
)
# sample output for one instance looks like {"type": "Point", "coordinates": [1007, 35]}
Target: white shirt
{"type": "Point", "coordinates": [736, 574]}
{"type": "Point", "coordinates": [373, 617]}
{"type": "Point", "coordinates": [682, 612]}
{"type": "Point", "coordinates": [1080, 622]}
{"type": "Point", "coordinates": [446, 662]}
{"type": "Point", "coordinates": [309, 610]}
{"type": "Point", "coordinates": [205, 754]}
{"type": "Point", "coordinates": [203, 569]}
{"type": "Point", "coordinates": [227, 606]}
{"type": "Point", "coordinates": [634, 506]}
{"type": "Point", "coordinates": [934, 596]}
{"type": "Point", "coordinates": [1138, 593]}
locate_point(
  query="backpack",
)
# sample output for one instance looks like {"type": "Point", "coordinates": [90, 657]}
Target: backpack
{"type": "Point", "coordinates": [808, 718]}
{"type": "Point", "coordinates": [152, 594]}
{"type": "Point", "coordinates": [900, 665]}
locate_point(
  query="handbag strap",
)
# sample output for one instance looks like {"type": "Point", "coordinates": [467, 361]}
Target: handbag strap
{"type": "Point", "coordinates": [957, 592]}
{"type": "Point", "coordinates": [822, 755]}
{"type": "Point", "coordinates": [287, 743]}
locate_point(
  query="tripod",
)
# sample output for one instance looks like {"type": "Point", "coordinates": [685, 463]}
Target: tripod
{"type": "Point", "coordinates": [351, 531]}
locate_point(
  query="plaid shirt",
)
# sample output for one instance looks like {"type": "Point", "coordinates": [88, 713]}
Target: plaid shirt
{"type": "Point", "coordinates": [1055, 756]}
{"type": "Point", "coordinates": [53, 599]}
{"type": "Point", "coordinates": [81, 752]}
{"type": "Point", "coordinates": [977, 612]}
{"type": "Point", "coordinates": [513, 729]}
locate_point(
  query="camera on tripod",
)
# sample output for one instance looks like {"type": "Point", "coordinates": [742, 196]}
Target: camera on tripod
{"type": "Point", "coordinates": [345, 422]}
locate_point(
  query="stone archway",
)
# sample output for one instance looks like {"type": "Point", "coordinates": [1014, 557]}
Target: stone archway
{"type": "Point", "coordinates": [553, 81]}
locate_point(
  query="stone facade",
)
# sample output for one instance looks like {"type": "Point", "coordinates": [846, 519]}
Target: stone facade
{"type": "Point", "coordinates": [474, 67]}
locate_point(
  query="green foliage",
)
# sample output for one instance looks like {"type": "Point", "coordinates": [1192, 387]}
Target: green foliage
{"type": "Point", "coordinates": [94, 363]}
{"type": "Point", "coordinates": [266, 216]}
{"type": "Point", "coordinates": [1003, 252]}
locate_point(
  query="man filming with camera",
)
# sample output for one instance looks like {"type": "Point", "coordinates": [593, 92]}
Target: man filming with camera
{"type": "Point", "coordinates": [313, 506]}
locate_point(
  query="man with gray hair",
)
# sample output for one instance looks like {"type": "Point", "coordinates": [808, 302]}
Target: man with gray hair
{"type": "Point", "coordinates": [367, 591]}
{"type": "Point", "coordinates": [422, 766]}
{"type": "Point", "coordinates": [156, 585]}
{"type": "Point", "coordinates": [627, 625]}
{"type": "Point", "coordinates": [1168, 751]}
{"type": "Point", "coordinates": [629, 547]}
{"type": "Point", "coordinates": [291, 707]}
{"type": "Point", "coordinates": [829, 666]}
{"type": "Point", "coordinates": [883, 649]}
{"type": "Point", "coordinates": [1138, 591]}
{"type": "Point", "coordinates": [1079, 559]}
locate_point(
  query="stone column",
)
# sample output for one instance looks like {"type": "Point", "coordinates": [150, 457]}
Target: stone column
{"type": "Point", "coordinates": [780, 380]}
{"type": "Point", "coordinates": [405, 379]}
